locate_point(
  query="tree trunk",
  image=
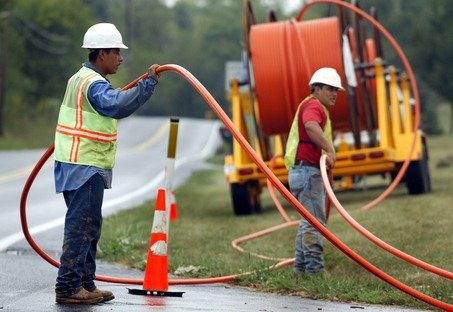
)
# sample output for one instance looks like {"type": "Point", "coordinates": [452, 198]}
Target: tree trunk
{"type": "Point", "coordinates": [3, 58]}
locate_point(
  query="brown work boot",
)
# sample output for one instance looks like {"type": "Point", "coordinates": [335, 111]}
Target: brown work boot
{"type": "Point", "coordinates": [82, 297]}
{"type": "Point", "coordinates": [106, 295]}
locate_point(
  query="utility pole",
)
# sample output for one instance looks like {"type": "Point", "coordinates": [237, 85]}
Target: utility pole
{"type": "Point", "coordinates": [5, 16]}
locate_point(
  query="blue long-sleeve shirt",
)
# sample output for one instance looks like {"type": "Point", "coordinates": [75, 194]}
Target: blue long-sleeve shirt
{"type": "Point", "coordinates": [109, 102]}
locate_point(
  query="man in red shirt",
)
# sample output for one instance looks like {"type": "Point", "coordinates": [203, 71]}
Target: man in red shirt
{"type": "Point", "coordinates": [313, 128]}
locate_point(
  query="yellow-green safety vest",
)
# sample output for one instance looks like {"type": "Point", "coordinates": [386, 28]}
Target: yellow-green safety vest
{"type": "Point", "coordinates": [292, 143]}
{"type": "Point", "coordinates": [83, 136]}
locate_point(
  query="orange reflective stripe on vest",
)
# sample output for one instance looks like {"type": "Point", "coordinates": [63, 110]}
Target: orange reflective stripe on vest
{"type": "Point", "coordinates": [79, 121]}
{"type": "Point", "coordinates": [91, 135]}
{"type": "Point", "coordinates": [82, 133]}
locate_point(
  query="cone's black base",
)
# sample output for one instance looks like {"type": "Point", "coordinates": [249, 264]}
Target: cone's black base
{"type": "Point", "coordinates": [143, 292]}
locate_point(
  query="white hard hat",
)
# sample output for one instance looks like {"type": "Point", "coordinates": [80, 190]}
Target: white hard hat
{"type": "Point", "coordinates": [103, 36]}
{"type": "Point", "coordinates": [327, 76]}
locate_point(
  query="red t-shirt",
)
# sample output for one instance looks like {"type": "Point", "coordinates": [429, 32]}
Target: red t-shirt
{"type": "Point", "coordinates": [311, 110]}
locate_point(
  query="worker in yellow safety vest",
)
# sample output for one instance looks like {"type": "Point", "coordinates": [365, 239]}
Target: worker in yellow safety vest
{"type": "Point", "coordinates": [309, 137]}
{"type": "Point", "coordinates": [85, 148]}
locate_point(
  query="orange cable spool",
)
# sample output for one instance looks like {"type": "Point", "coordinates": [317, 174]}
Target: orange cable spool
{"type": "Point", "coordinates": [284, 56]}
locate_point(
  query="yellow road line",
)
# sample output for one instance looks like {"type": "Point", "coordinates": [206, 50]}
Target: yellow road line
{"type": "Point", "coordinates": [16, 174]}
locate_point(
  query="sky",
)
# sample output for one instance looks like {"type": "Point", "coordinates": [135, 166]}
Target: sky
{"type": "Point", "coordinates": [295, 4]}
{"type": "Point", "coordinates": [291, 4]}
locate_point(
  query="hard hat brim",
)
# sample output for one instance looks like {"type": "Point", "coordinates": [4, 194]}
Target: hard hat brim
{"type": "Point", "coordinates": [327, 84]}
{"type": "Point", "coordinates": [120, 46]}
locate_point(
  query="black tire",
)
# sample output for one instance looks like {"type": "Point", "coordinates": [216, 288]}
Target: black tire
{"type": "Point", "coordinates": [244, 203]}
{"type": "Point", "coordinates": [418, 180]}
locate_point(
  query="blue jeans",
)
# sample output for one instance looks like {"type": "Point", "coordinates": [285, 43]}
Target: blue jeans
{"type": "Point", "coordinates": [82, 231]}
{"type": "Point", "coordinates": [306, 185]}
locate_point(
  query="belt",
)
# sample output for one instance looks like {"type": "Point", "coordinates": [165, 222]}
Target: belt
{"type": "Point", "coordinates": [306, 163]}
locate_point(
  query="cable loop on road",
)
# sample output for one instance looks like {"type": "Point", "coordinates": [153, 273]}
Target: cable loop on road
{"type": "Point", "coordinates": [275, 182]}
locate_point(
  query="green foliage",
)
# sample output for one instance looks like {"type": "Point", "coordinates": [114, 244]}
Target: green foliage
{"type": "Point", "coordinates": [435, 47]}
{"type": "Point", "coordinates": [42, 56]}
{"type": "Point", "coordinates": [46, 36]}
{"type": "Point", "coordinates": [200, 38]}
{"type": "Point", "coordinates": [42, 63]}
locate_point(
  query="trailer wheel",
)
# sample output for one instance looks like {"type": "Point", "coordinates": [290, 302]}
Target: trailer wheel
{"type": "Point", "coordinates": [245, 198]}
{"type": "Point", "coordinates": [418, 179]}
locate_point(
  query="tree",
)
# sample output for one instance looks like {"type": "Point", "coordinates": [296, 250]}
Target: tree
{"type": "Point", "coordinates": [198, 35]}
{"type": "Point", "coordinates": [45, 38]}
{"type": "Point", "coordinates": [434, 48]}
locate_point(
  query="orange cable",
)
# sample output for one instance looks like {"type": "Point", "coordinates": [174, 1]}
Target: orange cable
{"type": "Point", "coordinates": [269, 174]}
{"type": "Point", "coordinates": [271, 177]}
{"type": "Point", "coordinates": [272, 192]}
{"type": "Point", "coordinates": [371, 236]}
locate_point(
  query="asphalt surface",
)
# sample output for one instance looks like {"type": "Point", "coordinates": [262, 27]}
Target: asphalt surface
{"type": "Point", "coordinates": [32, 289]}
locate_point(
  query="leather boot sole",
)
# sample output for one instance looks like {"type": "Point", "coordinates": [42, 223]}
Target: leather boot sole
{"type": "Point", "coordinates": [82, 297]}
{"type": "Point", "coordinates": [80, 301]}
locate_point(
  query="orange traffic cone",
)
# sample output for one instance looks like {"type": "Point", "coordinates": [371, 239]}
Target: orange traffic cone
{"type": "Point", "coordinates": [155, 282]}
{"type": "Point", "coordinates": [173, 210]}
{"type": "Point", "coordinates": [156, 273]}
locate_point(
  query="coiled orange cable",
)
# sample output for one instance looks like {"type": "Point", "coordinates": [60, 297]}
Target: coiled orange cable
{"type": "Point", "coordinates": [268, 173]}
{"type": "Point", "coordinates": [271, 177]}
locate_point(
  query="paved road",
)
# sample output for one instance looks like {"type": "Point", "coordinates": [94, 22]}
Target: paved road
{"type": "Point", "coordinates": [30, 288]}
{"type": "Point", "coordinates": [27, 281]}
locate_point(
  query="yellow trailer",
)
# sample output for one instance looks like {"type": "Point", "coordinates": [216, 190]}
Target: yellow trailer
{"type": "Point", "coordinates": [373, 123]}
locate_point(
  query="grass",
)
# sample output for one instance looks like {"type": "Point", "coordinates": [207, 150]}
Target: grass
{"type": "Point", "coordinates": [29, 132]}
{"type": "Point", "coordinates": [200, 239]}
